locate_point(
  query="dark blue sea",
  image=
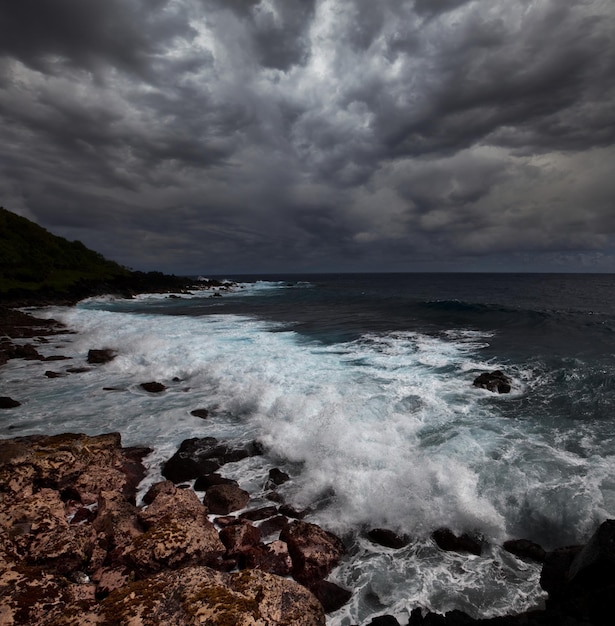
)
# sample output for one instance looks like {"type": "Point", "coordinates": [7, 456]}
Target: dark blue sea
{"type": "Point", "coordinates": [360, 387]}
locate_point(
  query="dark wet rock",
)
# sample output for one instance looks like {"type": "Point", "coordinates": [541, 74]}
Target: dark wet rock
{"type": "Point", "coordinates": [78, 370]}
{"type": "Point", "coordinates": [203, 483]}
{"type": "Point", "coordinates": [554, 574]}
{"type": "Point", "coordinates": [27, 352]}
{"type": "Point", "coordinates": [273, 525]}
{"type": "Point", "coordinates": [331, 596]}
{"type": "Point", "coordinates": [276, 477]}
{"type": "Point", "coordinates": [238, 538]}
{"type": "Point", "coordinates": [525, 549]}
{"type": "Point", "coordinates": [272, 557]}
{"type": "Point", "coordinates": [8, 403]}
{"type": "Point", "coordinates": [493, 381]}
{"type": "Point", "coordinates": [385, 620]}
{"type": "Point", "coordinates": [222, 499]}
{"type": "Point", "coordinates": [202, 413]}
{"type": "Point", "coordinates": [82, 514]}
{"type": "Point", "coordinates": [447, 540]}
{"type": "Point", "coordinates": [200, 456]}
{"type": "Point", "coordinates": [314, 551]}
{"type": "Point", "coordinates": [99, 357]}
{"type": "Point", "coordinates": [291, 511]}
{"type": "Point", "coordinates": [153, 387]}
{"type": "Point", "coordinates": [259, 514]}
{"type": "Point", "coordinates": [56, 357]}
{"type": "Point", "coordinates": [388, 538]}
{"type": "Point", "coordinates": [51, 374]}
{"type": "Point", "coordinates": [274, 496]}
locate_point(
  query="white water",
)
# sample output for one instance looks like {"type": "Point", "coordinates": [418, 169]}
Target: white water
{"type": "Point", "coordinates": [383, 431]}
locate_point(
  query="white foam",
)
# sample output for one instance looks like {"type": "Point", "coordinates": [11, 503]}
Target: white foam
{"type": "Point", "coordinates": [386, 430]}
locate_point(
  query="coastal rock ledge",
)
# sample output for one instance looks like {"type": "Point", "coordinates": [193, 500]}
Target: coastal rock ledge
{"type": "Point", "coordinates": [75, 550]}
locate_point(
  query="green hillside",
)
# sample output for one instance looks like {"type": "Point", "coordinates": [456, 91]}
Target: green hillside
{"type": "Point", "coordinates": [31, 259]}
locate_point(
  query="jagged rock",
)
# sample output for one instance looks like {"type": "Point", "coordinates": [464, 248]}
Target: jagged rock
{"type": "Point", "coordinates": [222, 499]}
{"type": "Point", "coordinates": [171, 502]}
{"type": "Point", "coordinates": [273, 525]}
{"type": "Point", "coordinates": [177, 540]}
{"type": "Point", "coordinates": [117, 520]}
{"type": "Point", "coordinates": [388, 538]}
{"type": "Point", "coordinates": [153, 387]}
{"type": "Point", "coordinates": [331, 596]}
{"type": "Point", "coordinates": [313, 550]}
{"type": "Point", "coordinates": [447, 540]}
{"type": "Point", "coordinates": [203, 596]}
{"type": "Point", "coordinates": [237, 538]}
{"type": "Point", "coordinates": [8, 403]}
{"type": "Point", "coordinates": [164, 486]}
{"type": "Point", "coordinates": [197, 457]}
{"type": "Point", "coordinates": [272, 557]}
{"type": "Point", "coordinates": [525, 549]}
{"type": "Point", "coordinates": [493, 381]}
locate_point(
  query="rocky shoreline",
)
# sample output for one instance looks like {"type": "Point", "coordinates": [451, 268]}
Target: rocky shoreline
{"type": "Point", "coordinates": [77, 549]}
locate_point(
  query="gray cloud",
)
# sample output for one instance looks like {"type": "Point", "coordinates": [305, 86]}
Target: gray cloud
{"type": "Point", "coordinates": [264, 135]}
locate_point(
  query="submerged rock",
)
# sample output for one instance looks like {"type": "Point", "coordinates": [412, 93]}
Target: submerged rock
{"type": "Point", "coordinates": [153, 387]}
{"type": "Point", "coordinates": [99, 357]}
{"type": "Point", "coordinates": [494, 381]}
{"type": "Point", "coordinates": [8, 403]}
{"type": "Point", "coordinates": [388, 538]}
{"type": "Point", "coordinates": [447, 540]}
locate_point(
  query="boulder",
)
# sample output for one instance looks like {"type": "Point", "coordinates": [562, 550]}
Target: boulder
{"type": "Point", "coordinates": [447, 540]}
{"type": "Point", "coordinates": [177, 540]}
{"type": "Point", "coordinates": [99, 357]}
{"type": "Point", "coordinates": [203, 596]}
{"type": "Point", "coordinates": [203, 483]}
{"type": "Point", "coordinates": [261, 513]}
{"type": "Point", "coordinates": [493, 381]}
{"type": "Point", "coordinates": [313, 550]}
{"type": "Point", "coordinates": [331, 596]}
{"type": "Point", "coordinates": [164, 486]}
{"type": "Point", "coordinates": [222, 499]}
{"type": "Point", "coordinates": [273, 525]}
{"type": "Point", "coordinates": [171, 503]}
{"type": "Point", "coordinates": [238, 538]}
{"type": "Point", "coordinates": [117, 520]}
{"type": "Point", "coordinates": [272, 557]}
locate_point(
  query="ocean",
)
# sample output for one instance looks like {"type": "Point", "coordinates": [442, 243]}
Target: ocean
{"type": "Point", "coordinates": [360, 387]}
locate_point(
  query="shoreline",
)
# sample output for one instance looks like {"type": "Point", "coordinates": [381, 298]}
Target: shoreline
{"type": "Point", "coordinates": [34, 330]}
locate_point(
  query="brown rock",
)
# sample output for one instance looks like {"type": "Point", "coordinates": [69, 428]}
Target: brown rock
{"type": "Point", "coordinates": [203, 596]}
{"type": "Point", "coordinates": [331, 596]}
{"type": "Point", "coordinates": [164, 486]}
{"type": "Point", "coordinates": [273, 558]}
{"type": "Point", "coordinates": [314, 551]}
{"type": "Point", "coordinates": [237, 538]}
{"type": "Point", "coordinates": [167, 503]}
{"type": "Point", "coordinates": [117, 520]}
{"type": "Point", "coordinates": [222, 499]}
{"type": "Point", "coordinates": [177, 540]}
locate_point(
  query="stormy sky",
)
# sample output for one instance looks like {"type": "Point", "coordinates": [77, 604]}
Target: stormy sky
{"type": "Point", "coordinates": [233, 136]}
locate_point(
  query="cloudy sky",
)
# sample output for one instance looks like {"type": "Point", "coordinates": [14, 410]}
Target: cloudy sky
{"type": "Point", "coordinates": [232, 136]}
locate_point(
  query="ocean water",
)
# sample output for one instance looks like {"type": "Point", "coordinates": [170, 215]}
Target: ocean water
{"type": "Point", "coordinates": [360, 387]}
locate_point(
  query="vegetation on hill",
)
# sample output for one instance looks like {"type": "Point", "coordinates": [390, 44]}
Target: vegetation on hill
{"type": "Point", "coordinates": [36, 265]}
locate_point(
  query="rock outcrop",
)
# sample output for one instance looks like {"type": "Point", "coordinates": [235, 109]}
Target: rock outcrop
{"type": "Point", "coordinates": [77, 550]}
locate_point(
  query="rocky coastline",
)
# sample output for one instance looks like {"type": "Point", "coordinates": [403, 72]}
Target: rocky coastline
{"type": "Point", "coordinates": [77, 547]}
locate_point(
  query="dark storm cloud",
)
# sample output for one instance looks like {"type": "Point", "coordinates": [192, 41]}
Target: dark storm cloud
{"type": "Point", "coordinates": [273, 135]}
